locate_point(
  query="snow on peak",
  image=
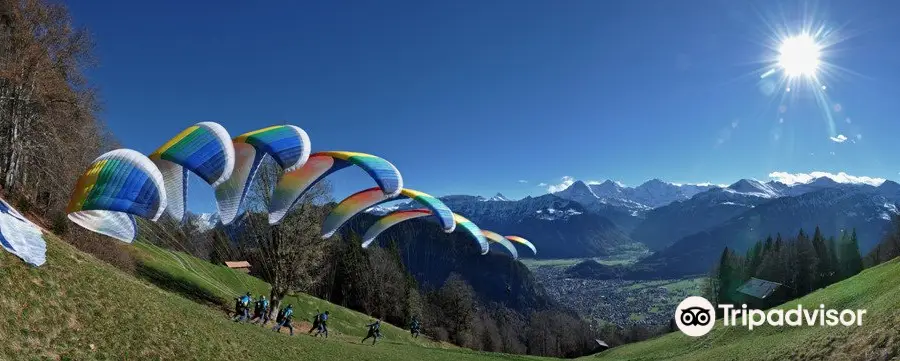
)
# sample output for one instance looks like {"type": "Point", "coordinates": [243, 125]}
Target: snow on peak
{"type": "Point", "coordinates": [791, 179]}
{"type": "Point", "coordinates": [499, 197]}
{"type": "Point", "coordinates": [608, 189]}
{"type": "Point", "coordinates": [578, 189]}
{"type": "Point", "coordinates": [755, 188]}
{"type": "Point", "coordinates": [204, 221]}
{"type": "Point", "coordinates": [381, 209]}
{"type": "Point", "coordinates": [552, 214]}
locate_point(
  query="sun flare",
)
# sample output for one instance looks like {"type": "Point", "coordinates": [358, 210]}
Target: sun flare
{"type": "Point", "coordinates": [799, 56]}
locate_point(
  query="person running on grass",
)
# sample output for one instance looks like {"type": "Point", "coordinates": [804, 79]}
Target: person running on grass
{"type": "Point", "coordinates": [244, 308]}
{"type": "Point", "coordinates": [287, 317]}
{"type": "Point", "coordinates": [323, 325]}
{"type": "Point", "coordinates": [414, 327]}
{"type": "Point", "coordinates": [316, 321]}
{"type": "Point", "coordinates": [237, 308]}
{"type": "Point", "coordinates": [374, 331]}
{"type": "Point", "coordinates": [261, 310]}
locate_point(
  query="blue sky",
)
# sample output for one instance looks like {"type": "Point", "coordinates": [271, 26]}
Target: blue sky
{"type": "Point", "coordinates": [474, 96]}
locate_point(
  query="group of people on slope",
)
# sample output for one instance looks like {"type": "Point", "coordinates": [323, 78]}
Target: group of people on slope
{"type": "Point", "coordinates": [285, 317]}
{"type": "Point", "coordinates": [242, 307]}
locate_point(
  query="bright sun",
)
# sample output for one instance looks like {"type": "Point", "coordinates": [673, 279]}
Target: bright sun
{"type": "Point", "coordinates": [799, 56]}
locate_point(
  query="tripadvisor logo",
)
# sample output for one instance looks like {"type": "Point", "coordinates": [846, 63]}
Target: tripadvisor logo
{"type": "Point", "coordinates": [696, 316]}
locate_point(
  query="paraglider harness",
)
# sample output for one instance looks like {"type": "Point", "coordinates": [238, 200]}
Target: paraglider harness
{"type": "Point", "coordinates": [323, 324]}
{"type": "Point", "coordinates": [237, 306]}
{"type": "Point", "coordinates": [316, 321]}
{"type": "Point", "coordinates": [258, 308]}
{"type": "Point", "coordinates": [280, 316]}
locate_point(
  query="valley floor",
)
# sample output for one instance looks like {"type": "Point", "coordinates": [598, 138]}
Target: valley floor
{"type": "Point", "coordinates": [621, 302]}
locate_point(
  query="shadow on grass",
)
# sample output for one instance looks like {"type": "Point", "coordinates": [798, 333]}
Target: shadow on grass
{"type": "Point", "coordinates": [181, 286]}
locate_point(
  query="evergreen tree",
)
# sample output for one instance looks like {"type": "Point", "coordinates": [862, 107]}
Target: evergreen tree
{"type": "Point", "coordinates": [754, 258]}
{"type": "Point", "coordinates": [726, 278]}
{"type": "Point", "coordinates": [824, 265]}
{"type": "Point", "coordinates": [854, 259]}
{"type": "Point", "coordinates": [805, 265]}
{"type": "Point", "coordinates": [768, 246]}
{"type": "Point", "coordinates": [834, 261]}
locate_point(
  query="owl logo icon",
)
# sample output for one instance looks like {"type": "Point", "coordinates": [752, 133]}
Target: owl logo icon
{"type": "Point", "coordinates": [695, 316]}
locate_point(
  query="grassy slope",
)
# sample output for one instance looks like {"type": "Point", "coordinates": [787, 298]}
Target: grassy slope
{"type": "Point", "coordinates": [876, 289]}
{"type": "Point", "coordinates": [76, 307]}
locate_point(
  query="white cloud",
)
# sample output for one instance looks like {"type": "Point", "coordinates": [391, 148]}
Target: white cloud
{"type": "Point", "coordinates": [523, 181]}
{"type": "Point", "coordinates": [841, 177]}
{"type": "Point", "coordinates": [542, 184]}
{"type": "Point", "coordinates": [840, 138]}
{"type": "Point", "coordinates": [565, 182]}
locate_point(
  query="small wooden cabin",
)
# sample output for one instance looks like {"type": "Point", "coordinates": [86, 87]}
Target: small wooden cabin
{"type": "Point", "coordinates": [242, 266]}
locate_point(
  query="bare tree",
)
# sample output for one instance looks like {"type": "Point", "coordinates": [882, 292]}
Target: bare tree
{"type": "Point", "coordinates": [290, 255]}
{"type": "Point", "coordinates": [48, 126]}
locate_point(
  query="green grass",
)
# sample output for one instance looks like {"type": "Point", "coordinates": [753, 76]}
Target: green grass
{"type": "Point", "coordinates": [690, 285]}
{"type": "Point", "coordinates": [218, 285]}
{"type": "Point", "coordinates": [876, 289]}
{"type": "Point", "coordinates": [76, 307]}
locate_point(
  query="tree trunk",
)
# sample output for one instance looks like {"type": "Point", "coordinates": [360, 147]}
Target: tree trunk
{"type": "Point", "coordinates": [275, 296]}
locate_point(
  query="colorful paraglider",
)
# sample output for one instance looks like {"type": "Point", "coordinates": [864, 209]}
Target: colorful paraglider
{"type": "Point", "coordinates": [21, 237]}
{"type": "Point", "coordinates": [389, 220]}
{"type": "Point", "coordinates": [473, 231]}
{"type": "Point", "coordinates": [204, 149]}
{"type": "Point", "coordinates": [117, 186]}
{"type": "Point", "coordinates": [288, 145]}
{"type": "Point", "coordinates": [496, 238]}
{"type": "Point", "coordinates": [523, 241]}
{"type": "Point", "coordinates": [403, 215]}
{"type": "Point", "coordinates": [294, 184]}
{"type": "Point", "coordinates": [368, 198]}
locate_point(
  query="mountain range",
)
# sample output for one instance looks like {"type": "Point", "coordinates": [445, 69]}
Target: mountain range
{"type": "Point", "coordinates": [686, 225]}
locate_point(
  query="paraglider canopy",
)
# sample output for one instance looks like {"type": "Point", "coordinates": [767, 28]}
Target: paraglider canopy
{"type": "Point", "coordinates": [294, 184]}
{"type": "Point", "coordinates": [204, 149]}
{"type": "Point", "coordinates": [474, 231]}
{"type": "Point", "coordinates": [494, 237]}
{"type": "Point", "coordinates": [287, 145]}
{"type": "Point", "coordinates": [118, 185]}
{"type": "Point", "coordinates": [368, 198]}
{"type": "Point", "coordinates": [523, 241]}
{"type": "Point", "coordinates": [389, 220]}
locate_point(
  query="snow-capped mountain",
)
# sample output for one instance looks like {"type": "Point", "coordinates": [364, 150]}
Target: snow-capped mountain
{"type": "Point", "coordinates": [560, 228]}
{"type": "Point", "coordinates": [652, 194]}
{"type": "Point", "coordinates": [203, 221]}
{"type": "Point", "coordinates": [382, 209]}
{"type": "Point", "coordinates": [752, 187]}
{"type": "Point", "coordinates": [861, 206]}
{"type": "Point", "coordinates": [656, 193]}
{"type": "Point", "coordinates": [499, 197]}
{"type": "Point", "coordinates": [578, 192]}
{"type": "Point", "coordinates": [664, 225]}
